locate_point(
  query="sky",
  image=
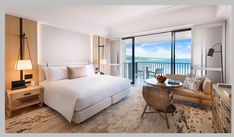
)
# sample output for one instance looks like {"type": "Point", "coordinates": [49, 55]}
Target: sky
{"type": "Point", "coordinates": [162, 49]}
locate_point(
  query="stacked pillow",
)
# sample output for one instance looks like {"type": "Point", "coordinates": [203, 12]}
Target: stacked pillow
{"type": "Point", "coordinates": [70, 72]}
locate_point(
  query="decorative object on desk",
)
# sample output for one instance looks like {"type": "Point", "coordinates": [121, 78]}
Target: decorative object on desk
{"type": "Point", "coordinates": [161, 78]}
{"type": "Point", "coordinates": [33, 83]}
{"type": "Point", "coordinates": [22, 63]}
{"type": "Point", "coordinates": [17, 84]}
{"type": "Point", "coordinates": [211, 53]}
{"type": "Point", "coordinates": [28, 79]}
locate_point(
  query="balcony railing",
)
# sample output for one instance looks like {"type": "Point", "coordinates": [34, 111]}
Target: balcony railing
{"type": "Point", "coordinates": [142, 69]}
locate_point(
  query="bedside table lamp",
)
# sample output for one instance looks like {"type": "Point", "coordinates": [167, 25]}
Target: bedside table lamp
{"type": "Point", "coordinates": [23, 65]}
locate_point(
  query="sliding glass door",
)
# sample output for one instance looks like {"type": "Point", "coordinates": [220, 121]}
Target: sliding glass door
{"type": "Point", "coordinates": [128, 58]}
{"type": "Point", "coordinates": [152, 53]}
{"type": "Point", "coordinates": [146, 56]}
{"type": "Point", "coordinates": [182, 52]}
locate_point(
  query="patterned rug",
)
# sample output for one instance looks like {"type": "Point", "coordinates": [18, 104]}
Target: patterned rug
{"type": "Point", "coordinates": [122, 117]}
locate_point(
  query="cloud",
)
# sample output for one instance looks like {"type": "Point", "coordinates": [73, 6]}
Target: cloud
{"type": "Point", "coordinates": [162, 49]}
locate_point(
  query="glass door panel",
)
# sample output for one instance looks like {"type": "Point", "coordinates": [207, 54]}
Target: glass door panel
{"type": "Point", "coordinates": [152, 56]}
{"type": "Point", "coordinates": [183, 52]}
{"type": "Point", "coordinates": [128, 59]}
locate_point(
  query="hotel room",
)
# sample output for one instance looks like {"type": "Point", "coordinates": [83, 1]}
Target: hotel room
{"type": "Point", "coordinates": [78, 68]}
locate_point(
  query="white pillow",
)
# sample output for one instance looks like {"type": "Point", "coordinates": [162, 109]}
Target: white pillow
{"type": "Point", "coordinates": [56, 73]}
{"type": "Point", "coordinates": [45, 69]}
{"type": "Point", "coordinates": [188, 82]}
{"type": "Point", "coordinates": [89, 70]}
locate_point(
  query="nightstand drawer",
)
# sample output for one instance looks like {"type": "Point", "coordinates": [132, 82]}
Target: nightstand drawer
{"type": "Point", "coordinates": [26, 94]}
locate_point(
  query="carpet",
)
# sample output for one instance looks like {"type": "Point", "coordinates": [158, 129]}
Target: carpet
{"type": "Point", "coordinates": [122, 117]}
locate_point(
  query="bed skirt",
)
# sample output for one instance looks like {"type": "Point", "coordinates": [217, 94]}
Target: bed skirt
{"type": "Point", "coordinates": [80, 116]}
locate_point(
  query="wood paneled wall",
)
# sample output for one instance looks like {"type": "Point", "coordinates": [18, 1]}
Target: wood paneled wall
{"type": "Point", "coordinates": [12, 45]}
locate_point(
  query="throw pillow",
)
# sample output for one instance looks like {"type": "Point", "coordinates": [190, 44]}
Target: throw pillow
{"type": "Point", "coordinates": [188, 82]}
{"type": "Point", "coordinates": [196, 86]}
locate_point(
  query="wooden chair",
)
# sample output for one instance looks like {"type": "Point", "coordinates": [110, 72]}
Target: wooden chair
{"type": "Point", "coordinates": [159, 99]}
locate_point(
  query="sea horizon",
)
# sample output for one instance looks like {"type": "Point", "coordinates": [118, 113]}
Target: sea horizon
{"type": "Point", "coordinates": [162, 60]}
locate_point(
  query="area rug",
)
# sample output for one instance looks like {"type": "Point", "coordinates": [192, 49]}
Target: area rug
{"type": "Point", "coordinates": [122, 117]}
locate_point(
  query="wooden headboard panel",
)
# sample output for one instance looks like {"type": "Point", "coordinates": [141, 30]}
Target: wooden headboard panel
{"type": "Point", "coordinates": [42, 76]}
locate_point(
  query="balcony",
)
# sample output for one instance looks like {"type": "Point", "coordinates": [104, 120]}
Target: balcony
{"type": "Point", "coordinates": [143, 69]}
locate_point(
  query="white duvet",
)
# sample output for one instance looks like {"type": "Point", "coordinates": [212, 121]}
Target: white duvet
{"type": "Point", "coordinates": [67, 96]}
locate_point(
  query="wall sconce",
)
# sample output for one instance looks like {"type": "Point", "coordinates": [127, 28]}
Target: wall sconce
{"type": "Point", "coordinates": [21, 63]}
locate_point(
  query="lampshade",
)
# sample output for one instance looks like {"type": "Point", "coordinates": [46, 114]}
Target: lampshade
{"type": "Point", "coordinates": [211, 52]}
{"type": "Point", "coordinates": [23, 64]}
{"type": "Point", "coordinates": [103, 61]}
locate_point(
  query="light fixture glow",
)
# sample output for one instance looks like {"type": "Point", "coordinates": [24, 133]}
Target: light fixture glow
{"type": "Point", "coordinates": [23, 65]}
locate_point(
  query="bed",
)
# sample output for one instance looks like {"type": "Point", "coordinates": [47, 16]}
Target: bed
{"type": "Point", "coordinates": [80, 98]}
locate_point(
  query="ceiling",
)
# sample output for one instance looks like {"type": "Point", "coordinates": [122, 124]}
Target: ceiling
{"type": "Point", "coordinates": [109, 15]}
{"type": "Point", "coordinates": [115, 20]}
{"type": "Point", "coordinates": [103, 15]}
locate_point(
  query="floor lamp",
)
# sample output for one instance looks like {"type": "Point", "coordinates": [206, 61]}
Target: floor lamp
{"type": "Point", "coordinates": [211, 53]}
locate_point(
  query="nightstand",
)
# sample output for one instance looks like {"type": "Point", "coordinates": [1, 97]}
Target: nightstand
{"type": "Point", "coordinates": [21, 98]}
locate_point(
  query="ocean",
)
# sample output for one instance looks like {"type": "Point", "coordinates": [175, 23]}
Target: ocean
{"type": "Point", "coordinates": [161, 61]}
{"type": "Point", "coordinates": [182, 66]}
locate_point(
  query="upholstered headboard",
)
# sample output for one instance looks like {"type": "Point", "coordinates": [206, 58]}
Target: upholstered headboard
{"type": "Point", "coordinates": [42, 76]}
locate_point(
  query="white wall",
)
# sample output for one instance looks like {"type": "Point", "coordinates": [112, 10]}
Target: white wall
{"type": "Point", "coordinates": [229, 49]}
{"type": "Point", "coordinates": [2, 62]}
{"type": "Point", "coordinates": [58, 45]}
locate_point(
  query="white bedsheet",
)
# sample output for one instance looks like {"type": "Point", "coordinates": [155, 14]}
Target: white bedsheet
{"type": "Point", "coordinates": [67, 96]}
